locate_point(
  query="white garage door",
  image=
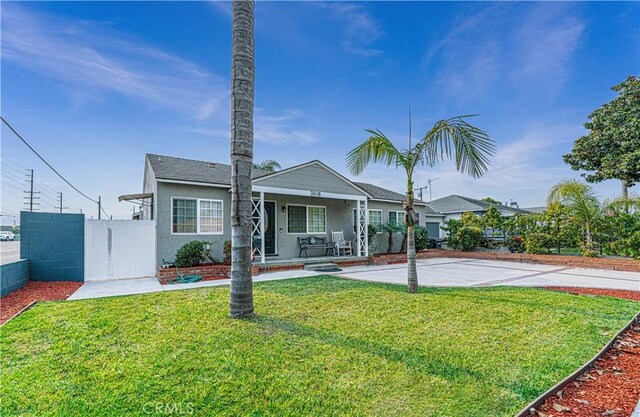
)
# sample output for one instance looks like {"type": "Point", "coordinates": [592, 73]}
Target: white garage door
{"type": "Point", "coordinates": [119, 249]}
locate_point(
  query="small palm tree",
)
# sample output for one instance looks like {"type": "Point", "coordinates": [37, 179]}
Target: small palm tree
{"type": "Point", "coordinates": [469, 146]}
{"type": "Point", "coordinates": [268, 165]}
{"type": "Point", "coordinates": [583, 204]}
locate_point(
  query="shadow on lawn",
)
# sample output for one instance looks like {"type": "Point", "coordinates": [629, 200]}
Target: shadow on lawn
{"type": "Point", "coordinates": [414, 361]}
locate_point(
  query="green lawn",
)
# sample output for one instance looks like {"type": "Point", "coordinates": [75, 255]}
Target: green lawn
{"type": "Point", "coordinates": [320, 346]}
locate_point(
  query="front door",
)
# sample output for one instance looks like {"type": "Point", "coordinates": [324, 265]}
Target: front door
{"type": "Point", "coordinates": [270, 228]}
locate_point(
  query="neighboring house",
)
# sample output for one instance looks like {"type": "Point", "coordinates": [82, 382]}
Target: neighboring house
{"type": "Point", "coordinates": [191, 200]}
{"type": "Point", "coordinates": [538, 209]}
{"type": "Point", "coordinates": [453, 206]}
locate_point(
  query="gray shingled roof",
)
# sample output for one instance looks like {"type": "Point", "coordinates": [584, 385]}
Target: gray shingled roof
{"type": "Point", "coordinates": [379, 193]}
{"type": "Point", "coordinates": [457, 204]}
{"type": "Point", "coordinates": [172, 168]}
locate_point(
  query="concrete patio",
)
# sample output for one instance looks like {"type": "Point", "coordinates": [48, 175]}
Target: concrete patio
{"type": "Point", "coordinates": [441, 272]}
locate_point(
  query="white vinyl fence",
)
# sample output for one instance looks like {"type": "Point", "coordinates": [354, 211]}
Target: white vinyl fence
{"type": "Point", "coordinates": [119, 249]}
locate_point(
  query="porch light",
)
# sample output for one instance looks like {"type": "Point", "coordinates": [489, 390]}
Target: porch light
{"type": "Point", "coordinates": [284, 209]}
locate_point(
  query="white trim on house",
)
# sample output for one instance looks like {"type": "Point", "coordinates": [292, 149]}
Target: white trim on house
{"type": "Point", "coordinates": [197, 232]}
{"type": "Point", "coordinates": [205, 184]}
{"type": "Point", "coordinates": [306, 193]}
{"type": "Point", "coordinates": [397, 201]}
{"type": "Point", "coordinates": [307, 232]}
{"type": "Point", "coordinates": [314, 162]}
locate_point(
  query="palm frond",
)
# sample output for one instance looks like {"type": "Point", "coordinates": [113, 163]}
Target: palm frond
{"type": "Point", "coordinates": [455, 137]}
{"type": "Point", "coordinates": [579, 197]}
{"type": "Point", "coordinates": [377, 148]}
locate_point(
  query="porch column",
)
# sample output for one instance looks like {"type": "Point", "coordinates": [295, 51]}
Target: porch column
{"type": "Point", "coordinates": [358, 228]}
{"type": "Point", "coordinates": [362, 240]}
{"type": "Point", "coordinates": [366, 228]}
{"type": "Point", "coordinates": [262, 254]}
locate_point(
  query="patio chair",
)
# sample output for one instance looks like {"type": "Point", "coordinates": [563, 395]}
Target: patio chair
{"type": "Point", "coordinates": [341, 245]}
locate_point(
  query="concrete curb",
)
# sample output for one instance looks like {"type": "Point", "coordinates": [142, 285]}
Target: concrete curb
{"type": "Point", "coordinates": [31, 304]}
{"type": "Point", "coordinates": [636, 412]}
{"type": "Point", "coordinates": [525, 412]}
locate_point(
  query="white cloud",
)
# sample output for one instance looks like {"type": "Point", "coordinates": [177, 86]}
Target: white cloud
{"type": "Point", "coordinates": [539, 43]}
{"type": "Point", "coordinates": [89, 58]}
{"type": "Point", "coordinates": [359, 28]}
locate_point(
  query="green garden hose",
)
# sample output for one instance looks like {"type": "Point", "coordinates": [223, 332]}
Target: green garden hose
{"type": "Point", "coordinates": [184, 279]}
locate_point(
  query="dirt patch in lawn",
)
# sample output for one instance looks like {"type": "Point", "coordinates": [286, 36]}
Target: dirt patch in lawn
{"type": "Point", "coordinates": [626, 294]}
{"type": "Point", "coordinates": [610, 388]}
{"type": "Point", "coordinates": [35, 291]}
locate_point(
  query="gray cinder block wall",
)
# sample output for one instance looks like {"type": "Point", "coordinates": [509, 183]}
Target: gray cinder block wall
{"type": "Point", "coordinates": [54, 245]}
{"type": "Point", "coordinates": [13, 276]}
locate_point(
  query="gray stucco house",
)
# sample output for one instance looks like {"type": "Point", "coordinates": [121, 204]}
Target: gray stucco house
{"type": "Point", "coordinates": [452, 207]}
{"type": "Point", "coordinates": [190, 200]}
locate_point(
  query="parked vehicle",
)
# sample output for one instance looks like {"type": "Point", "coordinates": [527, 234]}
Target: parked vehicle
{"type": "Point", "coordinates": [5, 236]}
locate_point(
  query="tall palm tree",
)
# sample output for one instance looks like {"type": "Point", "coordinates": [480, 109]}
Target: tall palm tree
{"type": "Point", "coordinates": [469, 146]}
{"type": "Point", "coordinates": [242, 103]}
{"type": "Point", "coordinates": [583, 203]}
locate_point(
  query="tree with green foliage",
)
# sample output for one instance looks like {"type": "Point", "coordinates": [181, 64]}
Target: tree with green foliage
{"type": "Point", "coordinates": [470, 219]}
{"type": "Point", "coordinates": [611, 148]}
{"type": "Point", "coordinates": [492, 220]}
{"type": "Point", "coordinates": [556, 221]}
{"type": "Point", "coordinates": [491, 200]}
{"type": "Point", "coordinates": [583, 205]}
{"type": "Point", "coordinates": [268, 165]}
{"type": "Point", "coordinates": [453, 138]}
{"type": "Point", "coordinates": [391, 228]}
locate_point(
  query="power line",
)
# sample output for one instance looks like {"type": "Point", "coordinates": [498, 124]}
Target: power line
{"type": "Point", "coordinates": [51, 167]}
{"type": "Point", "coordinates": [45, 161]}
{"type": "Point", "coordinates": [12, 162]}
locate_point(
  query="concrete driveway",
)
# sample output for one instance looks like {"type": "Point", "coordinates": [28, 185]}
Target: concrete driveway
{"type": "Point", "coordinates": [476, 273]}
{"type": "Point", "coordinates": [439, 272]}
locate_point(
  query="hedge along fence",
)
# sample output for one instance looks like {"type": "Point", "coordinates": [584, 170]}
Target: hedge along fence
{"type": "Point", "coordinates": [13, 276]}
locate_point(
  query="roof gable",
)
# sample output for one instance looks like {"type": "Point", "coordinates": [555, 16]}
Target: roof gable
{"type": "Point", "coordinates": [313, 175]}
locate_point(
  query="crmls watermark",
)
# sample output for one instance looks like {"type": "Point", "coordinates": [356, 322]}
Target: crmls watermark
{"type": "Point", "coordinates": [157, 407]}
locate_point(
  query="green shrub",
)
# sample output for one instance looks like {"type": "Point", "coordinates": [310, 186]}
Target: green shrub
{"type": "Point", "coordinates": [226, 250]}
{"type": "Point", "coordinates": [538, 242]}
{"type": "Point", "coordinates": [451, 227]}
{"type": "Point", "coordinates": [421, 237]}
{"type": "Point", "coordinates": [627, 247]}
{"type": "Point", "coordinates": [190, 254]}
{"type": "Point", "coordinates": [468, 238]}
{"type": "Point", "coordinates": [515, 244]}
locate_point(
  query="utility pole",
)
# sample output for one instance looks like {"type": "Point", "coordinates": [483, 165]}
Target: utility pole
{"type": "Point", "coordinates": [430, 187]}
{"type": "Point", "coordinates": [31, 192]}
{"type": "Point", "coordinates": [61, 207]}
{"type": "Point", "coordinates": [99, 206]}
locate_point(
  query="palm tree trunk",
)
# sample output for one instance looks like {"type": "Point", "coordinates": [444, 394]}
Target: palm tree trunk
{"type": "Point", "coordinates": [412, 273]}
{"type": "Point", "coordinates": [390, 241]}
{"type": "Point", "coordinates": [242, 104]}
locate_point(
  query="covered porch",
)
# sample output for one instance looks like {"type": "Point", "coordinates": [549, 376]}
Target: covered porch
{"type": "Point", "coordinates": [283, 221]}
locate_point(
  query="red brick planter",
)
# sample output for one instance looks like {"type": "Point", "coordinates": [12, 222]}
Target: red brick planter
{"type": "Point", "coordinates": [207, 272]}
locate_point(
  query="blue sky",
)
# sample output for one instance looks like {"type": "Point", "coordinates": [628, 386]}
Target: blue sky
{"type": "Point", "coordinates": [95, 85]}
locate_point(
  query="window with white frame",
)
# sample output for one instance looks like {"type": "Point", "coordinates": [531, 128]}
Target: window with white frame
{"type": "Point", "coordinates": [396, 217]}
{"type": "Point", "coordinates": [196, 216]}
{"type": "Point", "coordinates": [375, 219]}
{"type": "Point", "coordinates": [306, 219]}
